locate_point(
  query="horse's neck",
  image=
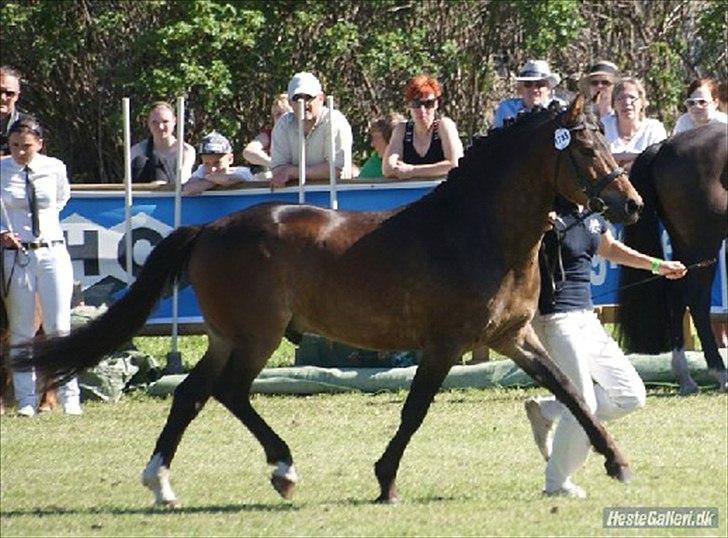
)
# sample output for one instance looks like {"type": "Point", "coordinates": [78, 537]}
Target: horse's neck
{"type": "Point", "coordinates": [512, 204]}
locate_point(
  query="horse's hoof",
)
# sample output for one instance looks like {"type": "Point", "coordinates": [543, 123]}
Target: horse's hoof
{"type": "Point", "coordinates": [721, 376]}
{"type": "Point", "coordinates": [619, 471]}
{"type": "Point", "coordinates": [387, 499]}
{"type": "Point", "coordinates": [283, 486]}
{"type": "Point", "coordinates": [168, 503]}
{"type": "Point", "coordinates": [688, 389]}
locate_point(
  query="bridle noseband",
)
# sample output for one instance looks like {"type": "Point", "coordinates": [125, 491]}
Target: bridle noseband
{"type": "Point", "coordinates": [592, 189]}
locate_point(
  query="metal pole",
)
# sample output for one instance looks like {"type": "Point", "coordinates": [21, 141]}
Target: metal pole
{"type": "Point", "coordinates": [127, 190]}
{"type": "Point", "coordinates": [301, 152]}
{"type": "Point", "coordinates": [174, 357]}
{"type": "Point", "coordinates": [333, 201]}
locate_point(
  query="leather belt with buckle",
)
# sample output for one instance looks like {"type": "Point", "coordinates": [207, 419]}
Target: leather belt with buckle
{"type": "Point", "coordinates": [35, 245]}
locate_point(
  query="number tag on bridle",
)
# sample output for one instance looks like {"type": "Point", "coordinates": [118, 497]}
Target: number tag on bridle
{"type": "Point", "coordinates": [562, 138]}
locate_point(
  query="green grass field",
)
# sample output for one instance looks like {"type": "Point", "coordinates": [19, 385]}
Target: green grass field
{"type": "Point", "coordinates": [471, 470]}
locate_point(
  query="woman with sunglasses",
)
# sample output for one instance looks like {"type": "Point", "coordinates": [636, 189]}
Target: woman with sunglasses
{"type": "Point", "coordinates": [629, 131]}
{"type": "Point", "coordinates": [33, 190]}
{"type": "Point", "coordinates": [702, 106]}
{"type": "Point", "coordinates": [426, 145]}
{"type": "Point", "coordinates": [535, 84]}
{"type": "Point", "coordinates": [597, 85]}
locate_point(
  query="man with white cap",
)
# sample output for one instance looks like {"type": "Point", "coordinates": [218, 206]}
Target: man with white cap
{"type": "Point", "coordinates": [535, 88]}
{"type": "Point", "coordinates": [284, 147]}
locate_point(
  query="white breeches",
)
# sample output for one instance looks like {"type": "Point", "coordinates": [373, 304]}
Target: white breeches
{"type": "Point", "coordinates": [48, 272]}
{"type": "Point", "coordinates": [595, 364]}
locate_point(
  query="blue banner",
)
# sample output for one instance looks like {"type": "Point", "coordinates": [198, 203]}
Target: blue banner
{"type": "Point", "coordinates": [93, 222]}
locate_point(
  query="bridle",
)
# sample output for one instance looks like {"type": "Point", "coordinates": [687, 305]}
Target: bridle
{"type": "Point", "coordinates": [593, 190]}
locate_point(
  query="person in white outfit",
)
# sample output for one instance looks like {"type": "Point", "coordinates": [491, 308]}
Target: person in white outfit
{"type": "Point", "coordinates": [33, 190]}
{"type": "Point", "coordinates": [702, 106]}
{"type": "Point", "coordinates": [575, 339]}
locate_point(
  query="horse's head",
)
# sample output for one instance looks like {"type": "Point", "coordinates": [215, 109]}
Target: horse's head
{"type": "Point", "coordinates": [586, 172]}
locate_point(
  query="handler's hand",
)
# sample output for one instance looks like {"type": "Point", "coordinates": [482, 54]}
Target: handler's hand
{"type": "Point", "coordinates": [672, 270]}
{"type": "Point", "coordinates": [10, 240]}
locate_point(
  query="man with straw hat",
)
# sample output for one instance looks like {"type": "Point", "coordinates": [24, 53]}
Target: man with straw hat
{"type": "Point", "coordinates": [597, 85]}
{"type": "Point", "coordinates": [535, 85]}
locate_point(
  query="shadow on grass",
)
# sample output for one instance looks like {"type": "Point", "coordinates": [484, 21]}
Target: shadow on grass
{"type": "Point", "coordinates": [52, 510]}
{"type": "Point", "coordinates": [151, 510]}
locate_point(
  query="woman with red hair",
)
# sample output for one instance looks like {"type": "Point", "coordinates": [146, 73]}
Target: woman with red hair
{"type": "Point", "coordinates": [426, 145]}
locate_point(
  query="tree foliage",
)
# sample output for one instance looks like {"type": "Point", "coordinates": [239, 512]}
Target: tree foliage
{"type": "Point", "coordinates": [229, 58]}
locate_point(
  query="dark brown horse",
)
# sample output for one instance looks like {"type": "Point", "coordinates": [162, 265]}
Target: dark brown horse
{"type": "Point", "coordinates": [453, 271]}
{"type": "Point", "coordinates": [684, 184]}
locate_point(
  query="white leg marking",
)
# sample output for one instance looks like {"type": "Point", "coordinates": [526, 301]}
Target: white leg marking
{"type": "Point", "coordinates": [156, 477]}
{"type": "Point", "coordinates": [283, 470]}
{"type": "Point", "coordinates": [682, 372]}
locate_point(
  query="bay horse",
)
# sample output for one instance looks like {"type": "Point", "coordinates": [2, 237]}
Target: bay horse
{"type": "Point", "coordinates": [452, 271]}
{"type": "Point", "coordinates": [684, 184]}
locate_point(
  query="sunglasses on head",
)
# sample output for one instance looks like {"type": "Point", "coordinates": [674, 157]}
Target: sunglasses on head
{"type": "Point", "coordinates": [306, 98]}
{"type": "Point", "coordinates": [9, 93]}
{"type": "Point", "coordinates": [692, 101]}
{"type": "Point", "coordinates": [427, 103]}
{"type": "Point", "coordinates": [600, 82]}
{"type": "Point", "coordinates": [535, 83]}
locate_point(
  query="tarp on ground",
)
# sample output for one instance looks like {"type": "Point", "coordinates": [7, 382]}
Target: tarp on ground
{"type": "Point", "coordinates": [653, 369]}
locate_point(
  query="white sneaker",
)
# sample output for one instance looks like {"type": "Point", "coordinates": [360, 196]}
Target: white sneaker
{"type": "Point", "coordinates": [26, 411]}
{"type": "Point", "coordinates": [542, 428]}
{"type": "Point", "coordinates": [72, 409]}
{"type": "Point", "coordinates": [567, 489]}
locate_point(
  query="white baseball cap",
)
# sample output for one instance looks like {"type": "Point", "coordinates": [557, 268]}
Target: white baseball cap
{"type": "Point", "coordinates": [304, 83]}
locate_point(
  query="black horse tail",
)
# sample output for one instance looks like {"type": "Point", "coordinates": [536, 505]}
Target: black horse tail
{"type": "Point", "coordinates": [60, 358]}
{"type": "Point", "coordinates": [642, 316]}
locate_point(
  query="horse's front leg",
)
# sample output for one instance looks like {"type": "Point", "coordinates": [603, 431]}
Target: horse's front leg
{"type": "Point", "coordinates": [530, 355]}
{"type": "Point", "coordinates": [431, 372]}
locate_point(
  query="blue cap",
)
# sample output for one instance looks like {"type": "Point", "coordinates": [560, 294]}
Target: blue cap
{"type": "Point", "coordinates": [214, 144]}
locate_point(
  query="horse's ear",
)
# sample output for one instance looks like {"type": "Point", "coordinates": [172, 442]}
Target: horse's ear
{"type": "Point", "coordinates": [576, 108]}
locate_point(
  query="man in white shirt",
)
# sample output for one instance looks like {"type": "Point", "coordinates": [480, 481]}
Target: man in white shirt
{"type": "Point", "coordinates": [285, 154]}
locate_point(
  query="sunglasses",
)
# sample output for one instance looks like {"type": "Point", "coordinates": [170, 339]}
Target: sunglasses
{"type": "Point", "coordinates": [9, 93]}
{"type": "Point", "coordinates": [304, 97]}
{"type": "Point", "coordinates": [427, 103]}
{"type": "Point", "coordinates": [599, 82]}
{"type": "Point", "coordinates": [692, 101]}
{"type": "Point", "coordinates": [535, 84]}
{"type": "Point", "coordinates": [629, 99]}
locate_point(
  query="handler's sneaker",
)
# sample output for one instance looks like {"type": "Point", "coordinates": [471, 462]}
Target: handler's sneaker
{"type": "Point", "coordinates": [567, 489]}
{"type": "Point", "coordinates": [72, 409]}
{"type": "Point", "coordinates": [542, 428]}
{"type": "Point", "coordinates": [26, 411]}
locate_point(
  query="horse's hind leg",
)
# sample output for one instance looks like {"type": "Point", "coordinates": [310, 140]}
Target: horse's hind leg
{"type": "Point", "coordinates": [534, 360]}
{"type": "Point", "coordinates": [189, 398]}
{"type": "Point", "coordinates": [679, 362]}
{"type": "Point", "coordinates": [233, 391]}
{"type": "Point", "coordinates": [698, 298]}
{"type": "Point", "coordinates": [430, 374]}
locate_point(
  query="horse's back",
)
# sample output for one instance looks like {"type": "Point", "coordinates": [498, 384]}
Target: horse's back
{"type": "Point", "coordinates": [690, 182]}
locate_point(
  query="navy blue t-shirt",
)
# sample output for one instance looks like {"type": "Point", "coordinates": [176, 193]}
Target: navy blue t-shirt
{"type": "Point", "coordinates": [578, 239]}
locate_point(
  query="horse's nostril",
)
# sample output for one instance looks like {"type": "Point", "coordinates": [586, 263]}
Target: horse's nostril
{"type": "Point", "coordinates": [631, 207]}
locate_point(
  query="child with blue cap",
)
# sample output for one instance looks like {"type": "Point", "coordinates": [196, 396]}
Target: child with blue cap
{"type": "Point", "coordinates": [216, 168]}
